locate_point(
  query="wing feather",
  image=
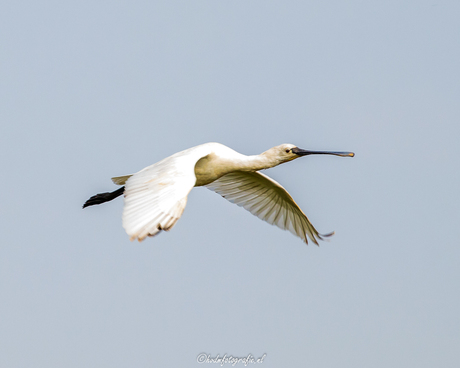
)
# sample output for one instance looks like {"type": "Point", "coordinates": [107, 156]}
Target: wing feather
{"type": "Point", "coordinates": [156, 196]}
{"type": "Point", "coordinates": [268, 200]}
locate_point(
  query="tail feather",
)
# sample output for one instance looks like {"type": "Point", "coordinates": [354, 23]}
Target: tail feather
{"type": "Point", "coordinates": [121, 180]}
{"type": "Point", "coordinates": [104, 197]}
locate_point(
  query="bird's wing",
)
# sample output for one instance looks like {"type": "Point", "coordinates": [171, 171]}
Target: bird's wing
{"type": "Point", "coordinates": [156, 196]}
{"type": "Point", "coordinates": [268, 200]}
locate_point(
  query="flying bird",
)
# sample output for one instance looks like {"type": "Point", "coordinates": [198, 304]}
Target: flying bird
{"type": "Point", "coordinates": [155, 197]}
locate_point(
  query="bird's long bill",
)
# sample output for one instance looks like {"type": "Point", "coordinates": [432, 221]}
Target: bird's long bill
{"type": "Point", "coordinates": [302, 152]}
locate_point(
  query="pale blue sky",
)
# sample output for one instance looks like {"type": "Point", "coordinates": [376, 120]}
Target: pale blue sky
{"type": "Point", "coordinates": [95, 89]}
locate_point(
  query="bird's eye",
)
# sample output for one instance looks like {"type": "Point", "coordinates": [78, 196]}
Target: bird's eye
{"type": "Point", "coordinates": [288, 150]}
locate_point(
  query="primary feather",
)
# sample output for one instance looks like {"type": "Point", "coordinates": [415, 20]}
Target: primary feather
{"type": "Point", "coordinates": [266, 199]}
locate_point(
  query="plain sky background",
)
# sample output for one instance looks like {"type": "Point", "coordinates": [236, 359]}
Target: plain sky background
{"type": "Point", "coordinates": [95, 89]}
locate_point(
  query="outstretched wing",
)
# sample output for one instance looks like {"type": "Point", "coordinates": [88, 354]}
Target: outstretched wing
{"type": "Point", "coordinates": [268, 200]}
{"type": "Point", "coordinates": [156, 196]}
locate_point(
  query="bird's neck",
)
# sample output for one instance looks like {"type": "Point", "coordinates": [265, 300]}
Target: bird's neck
{"type": "Point", "coordinates": [257, 162]}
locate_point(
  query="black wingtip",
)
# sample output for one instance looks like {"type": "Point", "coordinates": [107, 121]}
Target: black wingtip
{"type": "Point", "coordinates": [103, 197]}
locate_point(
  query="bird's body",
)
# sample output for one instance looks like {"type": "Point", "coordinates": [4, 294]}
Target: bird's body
{"type": "Point", "coordinates": [155, 197]}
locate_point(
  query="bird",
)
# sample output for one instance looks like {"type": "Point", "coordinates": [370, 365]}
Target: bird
{"type": "Point", "coordinates": [155, 197]}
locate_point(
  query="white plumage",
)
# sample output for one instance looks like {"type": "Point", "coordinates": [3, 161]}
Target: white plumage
{"type": "Point", "coordinates": [156, 196]}
{"type": "Point", "coordinates": [267, 199]}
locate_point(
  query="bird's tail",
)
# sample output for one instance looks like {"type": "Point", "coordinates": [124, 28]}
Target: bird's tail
{"type": "Point", "coordinates": [104, 197]}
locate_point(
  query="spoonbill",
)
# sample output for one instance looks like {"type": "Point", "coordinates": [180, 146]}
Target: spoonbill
{"type": "Point", "coordinates": [155, 197]}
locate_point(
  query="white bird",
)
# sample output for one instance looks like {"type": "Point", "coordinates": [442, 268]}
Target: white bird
{"type": "Point", "coordinates": [155, 197]}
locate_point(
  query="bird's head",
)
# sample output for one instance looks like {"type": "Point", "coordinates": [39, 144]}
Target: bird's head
{"type": "Point", "coordinates": [288, 152]}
